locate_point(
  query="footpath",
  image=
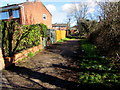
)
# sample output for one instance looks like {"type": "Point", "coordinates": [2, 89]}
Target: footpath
{"type": "Point", "coordinates": [55, 68]}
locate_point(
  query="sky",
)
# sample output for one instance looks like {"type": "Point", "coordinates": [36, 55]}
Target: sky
{"type": "Point", "coordinates": [59, 8]}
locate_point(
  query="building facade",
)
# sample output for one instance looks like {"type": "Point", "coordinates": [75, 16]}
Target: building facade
{"type": "Point", "coordinates": [27, 13]}
{"type": "Point", "coordinates": [60, 26]}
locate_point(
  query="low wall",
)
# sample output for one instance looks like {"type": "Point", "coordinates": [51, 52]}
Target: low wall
{"type": "Point", "coordinates": [23, 54]}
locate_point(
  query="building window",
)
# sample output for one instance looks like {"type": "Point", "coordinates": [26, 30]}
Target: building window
{"type": "Point", "coordinates": [4, 15]}
{"type": "Point", "coordinates": [44, 16]}
{"type": "Point", "coordinates": [63, 26]}
{"type": "Point", "coordinates": [15, 13]}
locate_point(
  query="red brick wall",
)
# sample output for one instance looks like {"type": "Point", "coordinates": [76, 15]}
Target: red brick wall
{"type": "Point", "coordinates": [33, 12]}
{"type": "Point", "coordinates": [24, 53]}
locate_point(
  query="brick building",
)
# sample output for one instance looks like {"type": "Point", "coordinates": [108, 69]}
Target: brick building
{"type": "Point", "coordinates": [27, 13]}
{"type": "Point", "coordinates": [60, 26]}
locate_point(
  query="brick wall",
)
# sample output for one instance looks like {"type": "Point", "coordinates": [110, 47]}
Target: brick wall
{"type": "Point", "coordinates": [24, 53]}
{"type": "Point", "coordinates": [33, 14]}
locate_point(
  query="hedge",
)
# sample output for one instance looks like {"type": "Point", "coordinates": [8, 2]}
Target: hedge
{"type": "Point", "coordinates": [16, 37]}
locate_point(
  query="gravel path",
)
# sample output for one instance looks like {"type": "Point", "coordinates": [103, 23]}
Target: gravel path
{"type": "Point", "coordinates": [55, 68]}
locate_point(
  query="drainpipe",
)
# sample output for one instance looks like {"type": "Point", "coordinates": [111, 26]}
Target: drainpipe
{"type": "Point", "coordinates": [23, 14]}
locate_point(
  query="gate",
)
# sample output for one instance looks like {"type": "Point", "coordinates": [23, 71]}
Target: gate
{"type": "Point", "coordinates": [51, 33]}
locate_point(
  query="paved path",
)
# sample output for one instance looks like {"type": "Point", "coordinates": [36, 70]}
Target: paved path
{"type": "Point", "coordinates": [54, 68]}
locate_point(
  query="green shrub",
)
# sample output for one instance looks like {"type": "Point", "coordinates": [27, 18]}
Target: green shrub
{"type": "Point", "coordinates": [16, 37]}
{"type": "Point", "coordinates": [32, 39]}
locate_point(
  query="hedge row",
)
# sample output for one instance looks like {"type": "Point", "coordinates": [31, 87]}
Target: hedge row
{"type": "Point", "coordinates": [16, 37]}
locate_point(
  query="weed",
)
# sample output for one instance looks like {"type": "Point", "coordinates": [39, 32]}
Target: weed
{"type": "Point", "coordinates": [31, 54]}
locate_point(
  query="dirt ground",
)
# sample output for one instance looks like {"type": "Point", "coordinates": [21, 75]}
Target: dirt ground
{"type": "Point", "coordinates": [55, 68]}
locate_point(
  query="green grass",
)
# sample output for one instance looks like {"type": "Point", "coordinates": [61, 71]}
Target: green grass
{"type": "Point", "coordinates": [30, 54]}
{"type": "Point", "coordinates": [97, 69]}
{"type": "Point", "coordinates": [65, 39]}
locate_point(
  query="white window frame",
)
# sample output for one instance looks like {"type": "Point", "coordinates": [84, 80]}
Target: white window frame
{"type": "Point", "coordinates": [17, 13]}
{"type": "Point", "coordinates": [44, 16]}
{"type": "Point", "coordinates": [1, 15]}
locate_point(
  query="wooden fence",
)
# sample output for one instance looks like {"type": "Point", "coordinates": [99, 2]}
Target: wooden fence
{"type": "Point", "coordinates": [60, 34]}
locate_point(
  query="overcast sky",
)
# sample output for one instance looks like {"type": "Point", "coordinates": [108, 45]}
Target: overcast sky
{"type": "Point", "coordinates": [58, 8]}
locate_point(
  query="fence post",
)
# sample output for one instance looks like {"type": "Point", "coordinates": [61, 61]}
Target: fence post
{"type": "Point", "coordinates": [2, 65]}
{"type": "Point", "coordinates": [41, 42]}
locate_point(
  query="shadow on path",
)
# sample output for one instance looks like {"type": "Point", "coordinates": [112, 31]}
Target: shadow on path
{"type": "Point", "coordinates": [68, 49]}
{"type": "Point", "coordinates": [69, 85]}
{"type": "Point", "coordinates": [71, 52]}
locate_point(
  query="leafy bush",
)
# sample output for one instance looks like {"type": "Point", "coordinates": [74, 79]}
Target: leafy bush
{"type": "Point", "coordinates": [32, 39]}
{"type": "Point", "coordinates": [107, 35]}
{"type": "Point", "coordinates": [106, 40]}
{"type": "Point", "coordinates": [17, 37]}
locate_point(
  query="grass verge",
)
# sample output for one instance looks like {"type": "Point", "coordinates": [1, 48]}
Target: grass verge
{"type": "Point", "coordinates": [96, 69]}
{"type": "Point", "coordinates": [65, 39]}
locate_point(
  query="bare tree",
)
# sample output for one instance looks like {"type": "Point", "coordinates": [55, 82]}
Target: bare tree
{"type": "Point", "coordinates": [109, 11]}
{"type": "Point", "coordinates": [79, 12]}
{"type": "Point", "coordinates": [107, 35]}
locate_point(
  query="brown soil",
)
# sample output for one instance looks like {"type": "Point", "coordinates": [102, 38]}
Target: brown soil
{"type": "Point", "coordinates": [55, 68]}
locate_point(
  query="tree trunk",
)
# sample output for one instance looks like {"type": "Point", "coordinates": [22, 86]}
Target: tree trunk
{"type": "Point", "coordinates": [78, 26]}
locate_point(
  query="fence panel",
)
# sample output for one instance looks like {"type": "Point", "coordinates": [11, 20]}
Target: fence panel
{"type": "Point", "coordinates": [63, 34]}
{"type": "Point", "coordinates": [60, 34]}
